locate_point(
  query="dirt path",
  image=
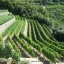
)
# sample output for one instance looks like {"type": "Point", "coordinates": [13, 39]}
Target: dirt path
{"type": "Point", "coordinates": [26, 28]}
{"type": "Point", "coordinates": [4, 26]}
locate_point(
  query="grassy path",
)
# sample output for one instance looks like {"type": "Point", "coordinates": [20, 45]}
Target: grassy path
{"type": "Point", "coordinates": [3, 13]}
{"type": "Point", "coordinates": [4, 26]}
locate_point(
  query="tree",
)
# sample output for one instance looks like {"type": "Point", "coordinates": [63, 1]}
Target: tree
{"type": "Point", "coordinates": [45, 2]}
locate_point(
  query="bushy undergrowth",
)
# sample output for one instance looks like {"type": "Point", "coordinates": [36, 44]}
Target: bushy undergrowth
{"type": "Point", "coordinates": [7, 51]}
{"type": "Point", "coordinates": [28, 10]}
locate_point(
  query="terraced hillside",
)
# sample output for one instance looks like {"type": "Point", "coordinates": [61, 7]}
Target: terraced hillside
{"type": "Point", "coordinates": [6, 19]}
{"type": "Point", "coordinates": [32, 30]}
{"type": "Point", "coordinates": [5, 16]}
{"type": "Point", "coordinates": [28, 38]}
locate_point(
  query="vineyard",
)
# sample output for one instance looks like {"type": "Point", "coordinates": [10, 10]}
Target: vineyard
{"type": "Point", "coordinates": [31, 31]}
{"type": "Point", "coordinates": [5, 18]}
{"type": "Point", "coordinates": [28, 38]}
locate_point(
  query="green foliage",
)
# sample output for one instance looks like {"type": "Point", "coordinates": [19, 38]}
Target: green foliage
{"type": "Point", "coordinates": [6, 51]}
{"type": "Point", "coordinates": [57, 14]}
{"type": "Point", "coordinates": [29, 10]}
{"type": "Point", "coordinates": [40, 39]}
{"type": "Point", "coordinates": [25, 46]}
{"type": "Point", "coordinates": [3, 11]}
{"type": "Point", "coordinates": [5, 18]}
{"type": "Point", "coordinates": [50, 55]}
{"type": "Point", "coordinates": [38, 47]}
{"type": "Point", "coordinates": [47, 43]}
{"type": "Point", "coordinates": [11, 30]}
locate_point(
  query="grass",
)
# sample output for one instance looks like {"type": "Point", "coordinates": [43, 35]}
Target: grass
{"type": "Point", "coordinates": [5, 18]}
{"type": "Point", "coordinates": [3, 11]}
